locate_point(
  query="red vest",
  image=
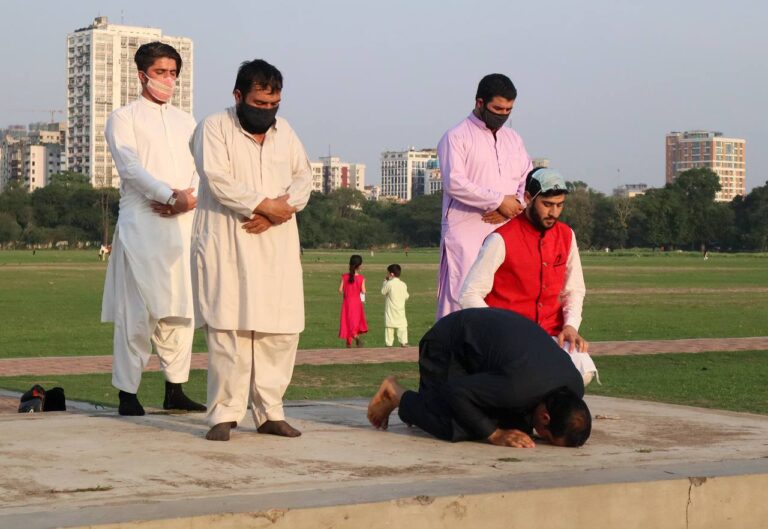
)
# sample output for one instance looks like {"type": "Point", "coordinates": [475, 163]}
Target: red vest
{"type": "Point", "coordinates": [530, 279]}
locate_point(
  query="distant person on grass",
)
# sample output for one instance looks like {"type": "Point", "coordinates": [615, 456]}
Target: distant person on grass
{"type": "Point", "coordinates": [492, 375]}
{"type": "Point", "coordinates": [531, 266]}
{"type": "Point", "coordinates": [352, 290]}
{"type": "Point", "coordinates": [395, 293]}
{"type": "Point", "coordinates": [148, 289]}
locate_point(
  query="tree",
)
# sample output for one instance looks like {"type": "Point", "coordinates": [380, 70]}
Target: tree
{"type": "Point", "coordinates": [655, 220]}
{"type": "Point", "coordinates": [15, 201]}
{"type": "Point", "coordinates": [751, 219]}
{"type": "Point", "coordinates": [71, 180]}
{"type": "Point", "coordinates": [315, 221]}
{"type": "Point", "coordinates": [69, 201]}
{"type": "Point", "coordinates": [695, 192]}
{"type": "Point", "coordinates": [346, 202]}
{"type": "Point", "coordinates": [418, 221]}
{"type": "Point", "coordinates": [608, 230]}
{"type": "Point", "coordinates": [579, 212]}
{"type": "Point", "coordinates": [10, 231]}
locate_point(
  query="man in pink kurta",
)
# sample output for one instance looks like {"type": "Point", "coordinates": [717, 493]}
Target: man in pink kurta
{"type": "Point", "coordinates": [483, 165]}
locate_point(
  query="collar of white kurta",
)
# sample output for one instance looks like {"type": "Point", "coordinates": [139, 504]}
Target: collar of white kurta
{"type": "Point", "coordinates": [151, 104]}
{"type": "Point", "coordinates": [232, 111]}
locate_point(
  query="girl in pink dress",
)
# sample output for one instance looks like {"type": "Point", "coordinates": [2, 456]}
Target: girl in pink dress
{"type": "Point", "coordinates": [352, 289]}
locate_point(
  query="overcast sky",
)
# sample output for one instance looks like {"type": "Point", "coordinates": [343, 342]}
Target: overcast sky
{"type": "Point", "coordinates": [599, 82]}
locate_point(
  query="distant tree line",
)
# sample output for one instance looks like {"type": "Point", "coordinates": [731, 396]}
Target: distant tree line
{"type": "Point", "coordinates": [346, 219]}
{"type": "Point", "coordinates": [67, 209]}
{"type": "Point", "coordinates": [681, 215]}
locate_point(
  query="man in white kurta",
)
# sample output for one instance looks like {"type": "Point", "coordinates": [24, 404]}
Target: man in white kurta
{"type": "Point", "coordinates": [395, 293]}
{"type": "Point", "coordinates": [246, 266]}
{"type": "Point", "coordinates": [148, 289]}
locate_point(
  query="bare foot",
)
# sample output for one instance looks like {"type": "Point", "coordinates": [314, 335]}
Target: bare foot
{"type": "Point", "coordinates": [280, 428]}
{"type": "Point", "coordinates": [384, 402]}
{"type": "Point", "coordinates": [220, 432]}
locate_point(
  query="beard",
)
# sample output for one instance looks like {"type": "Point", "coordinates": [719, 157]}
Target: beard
{"type": "Point", "coordinates": [540, 223]}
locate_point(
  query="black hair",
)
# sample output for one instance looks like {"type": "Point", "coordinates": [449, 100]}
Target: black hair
{"type": "Point", "coordinates": [533, 186]}
{"type": "Point", "coordinates": [258, 74]}
{"type": "Point", "coordinates": [354, 263]}
{"type": "Point", "coordinates": [395, 270]}
{"type": "Point", "coordinates": [569, 417]}
{"type": "Point", "coordinates": [493, 85]}
{"type": "Point", "coordinates": [148, 53]}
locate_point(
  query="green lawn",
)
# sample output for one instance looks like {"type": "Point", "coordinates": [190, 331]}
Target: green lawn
{"type": "Point", "coordinates": [50, 302]}
{"type": "Point", "coordinates": [723, 380]}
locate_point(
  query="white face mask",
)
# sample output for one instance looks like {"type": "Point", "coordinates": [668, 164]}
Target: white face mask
{"type": "Point", "coordinates": [160, 89]}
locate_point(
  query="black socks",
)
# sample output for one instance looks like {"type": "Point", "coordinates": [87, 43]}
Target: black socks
{"type": "Point", "coordinates": [175, 399]}
{"type": "Point", "coordinates": [129, 404]}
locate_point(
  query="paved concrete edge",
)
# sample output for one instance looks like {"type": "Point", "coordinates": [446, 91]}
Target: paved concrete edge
{"type": "Point", "coordinates": [620, 497]}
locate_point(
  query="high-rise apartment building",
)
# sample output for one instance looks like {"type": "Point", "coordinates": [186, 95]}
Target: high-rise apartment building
{"type": "Point", "coordinates": [405, 174]}
{"type": "Point", "coordinates": [330, 174]}
{"type": "Point", "coordinates": [102, 77]}
{"type": "Point", "coordinates": [701, 148]}
{"type": "Point", "coordinates": [31, 157]}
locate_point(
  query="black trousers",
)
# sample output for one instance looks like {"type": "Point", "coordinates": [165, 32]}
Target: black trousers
{"type": "Point", "coordinates": [426, 408]}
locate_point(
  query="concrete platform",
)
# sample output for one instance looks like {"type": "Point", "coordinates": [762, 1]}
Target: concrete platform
{"type": "Point", "coordinates": [647, 465]}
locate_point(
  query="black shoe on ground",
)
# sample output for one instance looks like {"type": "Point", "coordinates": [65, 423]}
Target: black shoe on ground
{"type": "Point", "coordinates": [175, 399]}
{"type": "Point", "coordinates": [129, 404]}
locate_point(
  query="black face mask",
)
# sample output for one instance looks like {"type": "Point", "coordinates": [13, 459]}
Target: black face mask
{"type": "Point", "coordinates": [256, 120]}
{"type": "Point", "coordinates": [493, 120]}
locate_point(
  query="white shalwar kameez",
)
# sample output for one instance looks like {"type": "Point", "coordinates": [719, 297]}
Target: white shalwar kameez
{"type": "Point", "coordinates": [248, 287]}
{"type": "Point", "coordinates": [148, 289]}
{"type": "Point", "coordinates": [395, 294]}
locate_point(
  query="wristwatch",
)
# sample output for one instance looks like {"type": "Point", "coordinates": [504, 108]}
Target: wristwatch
{"type": "Point", "coordinates": [172, 200]}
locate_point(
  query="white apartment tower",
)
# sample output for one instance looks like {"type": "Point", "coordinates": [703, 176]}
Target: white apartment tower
{"type": "Point", "coordinates": [406, 174]}
{"type": "Point", "coordinates": [330, 174]}
{"type": "Point", "coordinates": [102, 77]}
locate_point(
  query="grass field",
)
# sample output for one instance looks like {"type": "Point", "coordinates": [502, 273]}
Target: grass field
{"type": "Point", "coordinates": [50, 305]}
{"type": "Point", "coordinates": [724, 380]}
{"type": "Point", "coordinates": [50, 302]}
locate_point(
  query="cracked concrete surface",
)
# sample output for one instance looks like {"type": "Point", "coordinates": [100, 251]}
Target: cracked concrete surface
{"type": "Point", "coordinates": [646, 462]}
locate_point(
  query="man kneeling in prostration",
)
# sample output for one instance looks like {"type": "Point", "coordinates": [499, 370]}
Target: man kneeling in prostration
{"type": "Point", "coordinates": [490, 374]}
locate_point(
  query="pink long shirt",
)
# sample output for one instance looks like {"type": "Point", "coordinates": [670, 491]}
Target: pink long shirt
{"type": "Point", "coordinates": [478, 169]}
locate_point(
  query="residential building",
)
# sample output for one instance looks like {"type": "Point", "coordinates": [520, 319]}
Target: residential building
{"type": "Point", "coordinates": [317, 176]}
{"type": "Point", "coordinates": [32, 156]}
{"type": "Point", "coordinates": [14, 131]}
{"type": "Point", "coordinates": [357, 176]}
{"type": "Point", "coordinates": [102, 77]}
{"type": "Point", "coordinates": [434, 182]}
{"type": "Point", "coordinates": [330, 174]}
{"type": "Point", "coordinates": [630, 190]}
{"type": "Point", "coordinates": [701, 148]}
{"type": "Point", "coordinates": [405, 174]}
{"type": "Point", "coordinates": [372, 192]}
